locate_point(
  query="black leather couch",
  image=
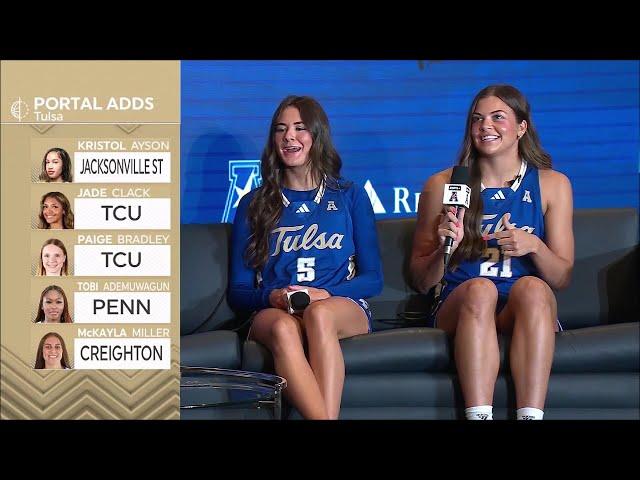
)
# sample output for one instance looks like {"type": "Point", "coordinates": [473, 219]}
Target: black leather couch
{"type": "Point", "coordinates": [404, 370]}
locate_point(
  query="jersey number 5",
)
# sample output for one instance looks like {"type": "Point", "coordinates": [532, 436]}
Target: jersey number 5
{"type": "Point", "coordinates": [487, 268]}
{"type": "Point", "coordinates": [306, 273]}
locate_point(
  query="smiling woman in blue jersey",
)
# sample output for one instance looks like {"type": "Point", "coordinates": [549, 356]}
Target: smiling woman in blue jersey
{"type": "Point", "coordinates": [305, 228]}
{"type": "Point", "coordinates": [512, 248]}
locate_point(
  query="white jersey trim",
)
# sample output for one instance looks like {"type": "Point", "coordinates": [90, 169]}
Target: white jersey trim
{"type": "Point", "coordinates": [518, 180]}
{"type": "Point", "coordinates": [317, 199]}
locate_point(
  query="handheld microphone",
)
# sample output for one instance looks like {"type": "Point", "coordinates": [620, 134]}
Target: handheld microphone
{"type": "Point", "coordinates": [298, 300]}
{"type": "Point", "coordinates": [457, 194]}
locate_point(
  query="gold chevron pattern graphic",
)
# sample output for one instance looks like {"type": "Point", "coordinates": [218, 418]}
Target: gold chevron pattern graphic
{"type": "Point", "coordinates": [88, 394]}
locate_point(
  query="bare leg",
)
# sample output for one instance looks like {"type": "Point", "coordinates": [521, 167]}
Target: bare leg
{"type": "Point", "coordinates": [282, 335]}
{"type": "Point", "coordinates": [531, 314]}
{"type": "Point", "coordinates": [468, 313]}
{"type": "Point", "coordinates": [325, 322]}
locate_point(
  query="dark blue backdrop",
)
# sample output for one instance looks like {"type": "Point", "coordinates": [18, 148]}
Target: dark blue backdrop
{"type": "Point", "coordinates": [397, 122]}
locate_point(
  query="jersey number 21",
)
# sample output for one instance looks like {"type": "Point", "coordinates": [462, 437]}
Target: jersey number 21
{"type": "Point", "coordinates": [487, 268]}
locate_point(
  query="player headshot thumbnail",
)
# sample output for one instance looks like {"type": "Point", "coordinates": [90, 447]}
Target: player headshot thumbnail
{"type": "Point", "coordinates": [52, 353]}
{"type": "Point", "coordinates": [56, 166]}
{"type": "Point", "coordinates": [53, 259]}
{"type": "Point", "coordinates": [55, 211]}
{"type": "Point", "coordinates": [53, 306]}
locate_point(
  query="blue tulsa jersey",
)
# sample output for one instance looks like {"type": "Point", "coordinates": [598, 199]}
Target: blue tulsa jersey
{"type": "Point", "coordinates": [326, 238]}
{"type": "Point", "coordinates": [522, 201]}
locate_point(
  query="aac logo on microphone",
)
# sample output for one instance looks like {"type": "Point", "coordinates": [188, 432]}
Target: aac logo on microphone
{"type": "Point", "coordinates": [456, 194]}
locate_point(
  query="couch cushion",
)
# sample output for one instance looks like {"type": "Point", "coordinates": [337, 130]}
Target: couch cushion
{"type": "Point", "coordinates": [606, 348]}
{"type": "Point", "coordinates": [594, 390]}
{"type": "Point", "coordinates": [603, 237]}
{"type": "Point", "coordinates": [398, 350]}
{"type": "Point", "coordinates": [219, 349]}
{"type": "Point", "coordinates": [395, 237]}
{"type": "Point", "coordinates": [204, 269]}
{"type": "Point", "coordinates": [566, 390]}
{"type": "Point", "coordinates": [438, 395]}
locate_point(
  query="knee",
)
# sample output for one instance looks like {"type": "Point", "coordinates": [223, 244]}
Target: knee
{"type": "Point", "coordinates": [283, 335]}
{"type": "Point", "coordinates": [318, 320]}
{"type": "Point", "coordinates": [480, 298]}
{"type": "Point", "coordinates": [532, 293]}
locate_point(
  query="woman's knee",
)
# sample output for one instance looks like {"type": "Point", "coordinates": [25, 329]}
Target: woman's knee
{"type": "Point", "coordinates": [531, 292]}
{"type": "Point", "coordinates": [318, 320]}
{"type": "Point", "coordinates": [278, 334]}
{"type": "Point", "coordinates": [479, 296]}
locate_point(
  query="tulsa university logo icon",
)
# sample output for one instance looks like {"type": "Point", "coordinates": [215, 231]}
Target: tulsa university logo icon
{"type": "Point", "coordinates": [19, 109]}
{"type": "Point", "coordinates": [244, 175]}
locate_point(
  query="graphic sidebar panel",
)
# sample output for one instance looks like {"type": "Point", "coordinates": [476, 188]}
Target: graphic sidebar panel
{"type": "Point", "coordinates": [90, 243]}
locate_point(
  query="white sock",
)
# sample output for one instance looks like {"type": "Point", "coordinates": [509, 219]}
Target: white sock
{"type": "Point", "coordinates": [479, 412]}
{"type": "Point", "coordinates": [529, 413]}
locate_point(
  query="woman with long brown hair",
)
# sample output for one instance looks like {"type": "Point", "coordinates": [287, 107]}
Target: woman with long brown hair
{"type": "Point", "coordinates": [53, 306]}
{"type": "Point", "coordinates": [307, 228]}
{"type": "Point", "coordinates": [56, 166]}
{"type": "Point", "coordinates": [511, 249]}
{"type": "Point", "coordinates": [55, 211]}
{"type": "Point", "coordinates": [52, 353]}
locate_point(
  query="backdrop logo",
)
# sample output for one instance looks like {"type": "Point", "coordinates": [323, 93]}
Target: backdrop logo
{"type": "Point", "coordinates": [244, 175]}
{"type": "Point", "coordinates": [19, 109]}
{"type": "Point", "coordinates": [404, 201]}
{"type": "Point", "coordinates": [374, 199]}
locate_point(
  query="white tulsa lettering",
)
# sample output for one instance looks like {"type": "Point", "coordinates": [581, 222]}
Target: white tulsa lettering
{"type": "Point", "coordinates": [487, 229]}
{"type": "Point", "coordinates": [304, 242]}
